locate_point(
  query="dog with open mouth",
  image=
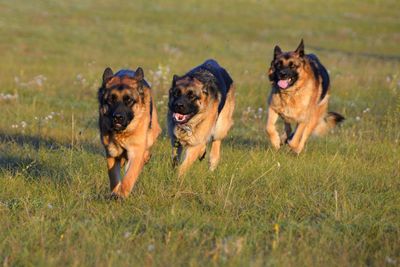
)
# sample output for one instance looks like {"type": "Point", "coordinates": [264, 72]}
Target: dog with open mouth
{"type": "Point", "coordinates": [128, 125]}
{"type": "Point", "coordinates": [200, 109]}
{"type": "Point", "coordinates": [299, 95]}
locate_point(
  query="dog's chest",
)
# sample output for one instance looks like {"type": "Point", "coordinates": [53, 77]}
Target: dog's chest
{"type": "Point", "coordinates": [184, 133]}
{"type": "Point", "coordinates": [115, 146]}
{"type": "Point", "coordinates": [191, 135]}
{"type": "Point", "coordinates": [290, 108]}
{"type": "Point", "coordinates": [114, 150]}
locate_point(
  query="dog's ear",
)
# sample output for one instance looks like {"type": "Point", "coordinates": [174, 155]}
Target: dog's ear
{"type": "Point", "coordinates": [174, 79]}
{"type": "Point", "coordinates": [139, 74]}
{"type": "Point", "coordinates": [107, 74]}
{"type": "Point", "coordinates": [277, 51]}
{"type": "Point", "coordinates": [300, 49]}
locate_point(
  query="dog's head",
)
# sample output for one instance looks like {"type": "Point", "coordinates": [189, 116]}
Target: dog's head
{"type": "Point", "coordinates": [191, 94]}
{"type": "Point", "coordinates": [120, 97]}
{"type": "Point", "coordinates": [286, 67]}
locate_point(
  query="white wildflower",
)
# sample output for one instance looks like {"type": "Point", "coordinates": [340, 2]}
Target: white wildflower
{"type": "Point", "coordinates": [150, 247]}
{"type": "Point", "coordinates": [127, 234]}
{"type": "Point", "coordinates": [8, 96]}
{"type": "Point", "coordinates": [366, 110]}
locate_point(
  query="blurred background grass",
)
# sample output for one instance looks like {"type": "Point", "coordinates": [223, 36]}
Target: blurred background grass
{"type": "Point", "coordinates": [336, 204]}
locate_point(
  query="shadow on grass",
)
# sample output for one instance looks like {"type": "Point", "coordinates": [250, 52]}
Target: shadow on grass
{"type": "Point", "coordinates": [240, 142]}
{"type": "Point", "coordinates": [30, 165]}
{"type": "Point", "coordinates": [48, 143]}
{"type": "Point", "coordinates": [32, 169]}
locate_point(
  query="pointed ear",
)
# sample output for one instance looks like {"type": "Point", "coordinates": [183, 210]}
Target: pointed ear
{"type": "Point", "coordinates": [174, 79]}
{"type": "Point", "coordinates": [107, 74]}
{"type": "Point", "coordinates": [139, 75]}
{"type": "Point", "coordinates": [300, 49]}
{"type": "Point", "coordinates": [277, 51]}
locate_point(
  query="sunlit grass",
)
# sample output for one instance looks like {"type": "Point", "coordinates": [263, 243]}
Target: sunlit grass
{"type": "Point", "coordinates": [335, 204]}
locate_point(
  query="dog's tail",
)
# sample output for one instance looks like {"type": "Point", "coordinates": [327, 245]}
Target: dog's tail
{"type": "Point", "coordinates": [330, 120]}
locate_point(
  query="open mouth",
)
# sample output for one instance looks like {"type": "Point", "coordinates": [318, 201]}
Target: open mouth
{"type": "Point", "coordinates": [181, 118]}
{"type": "Point", "coordinates": [283, 84]}
{"type": "Point", "coordinates": [118, 126]}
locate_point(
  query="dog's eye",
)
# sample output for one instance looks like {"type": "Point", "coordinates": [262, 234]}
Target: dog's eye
{"type": "Point", "coordinates": [112, 98]}
{"type": "Point", "coordinates": [176, 93]}
{"type": "Point", "coordinates": [128, 100]}
{"type": "Point", "coordinates": [291, 65]}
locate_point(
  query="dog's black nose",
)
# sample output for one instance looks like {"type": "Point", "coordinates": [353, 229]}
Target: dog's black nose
{"type": "Point", "coordinates": [118, 118]}
{"type": "Point", "coordinates": [283, 72]}
{"type": "Point", "coordinates": [179, 106]}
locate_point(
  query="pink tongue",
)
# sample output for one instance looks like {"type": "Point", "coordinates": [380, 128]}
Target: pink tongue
{"type": "Point", "coordinates": [283, 84]}
{"type": "Point", "coordinates": [180, 117]}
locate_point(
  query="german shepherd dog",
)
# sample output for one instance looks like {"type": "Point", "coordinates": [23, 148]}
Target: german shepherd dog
{"type": "Point", "coordinates": [201, 105]}
{"type": "Point", "coordinates": [128, 126]}
{"type": "Point", "coordinates": [300, 93]}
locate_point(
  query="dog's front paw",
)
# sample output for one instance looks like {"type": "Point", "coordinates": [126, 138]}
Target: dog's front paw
{"type": "Point", "coordinates": [147, 157]}
{"type": "Point", "coordinates": [275, 142]}
{"type": "Point", "coordinates": [276, 145]}
{"type": "Point", "coordinates": [175, 162]}
{"type": "Point", "coordinates": [124, 192]}
{"type": "Point", "coordinates": [296, 149]}
{"type": "Point", "coordinates": [116, 192]}
{"type": "Point", "coordinates": [285, 139]}
{"type": "Point", "coordinates": [213, 166]}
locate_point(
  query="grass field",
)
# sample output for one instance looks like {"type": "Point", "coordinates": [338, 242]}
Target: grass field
{"type": "Point", "coordinates": [337, 204]}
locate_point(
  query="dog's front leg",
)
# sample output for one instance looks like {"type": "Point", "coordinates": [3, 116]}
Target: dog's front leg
{"type": "Point", "coordinates": [176, 153]}
{"type": "Point", "coordinates": [271, 128]}
{"type": "Point", "coordinates": [215, 154]}
{"type": "Point", "coordinates": [308, 129]}
{"type": "Point", "coordinates": [134, 167]}
{"type": "Point", "coordinates": [297, 136]}
{"type": "Point", "coordinates": [192, 153]}
{"type": "Point", "coordinates": [114, 168]}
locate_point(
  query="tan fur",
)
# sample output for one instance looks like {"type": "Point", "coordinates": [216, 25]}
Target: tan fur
{"type": "Point", "coordinates": [131, 146]}
{"type": "Point", "coordinates": [207, 125]}
{"type": "Point", "coordinates": [299, 104]}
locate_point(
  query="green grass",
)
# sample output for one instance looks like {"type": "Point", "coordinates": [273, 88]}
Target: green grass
{"type": "Point", "coordinates": [337, 204]}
